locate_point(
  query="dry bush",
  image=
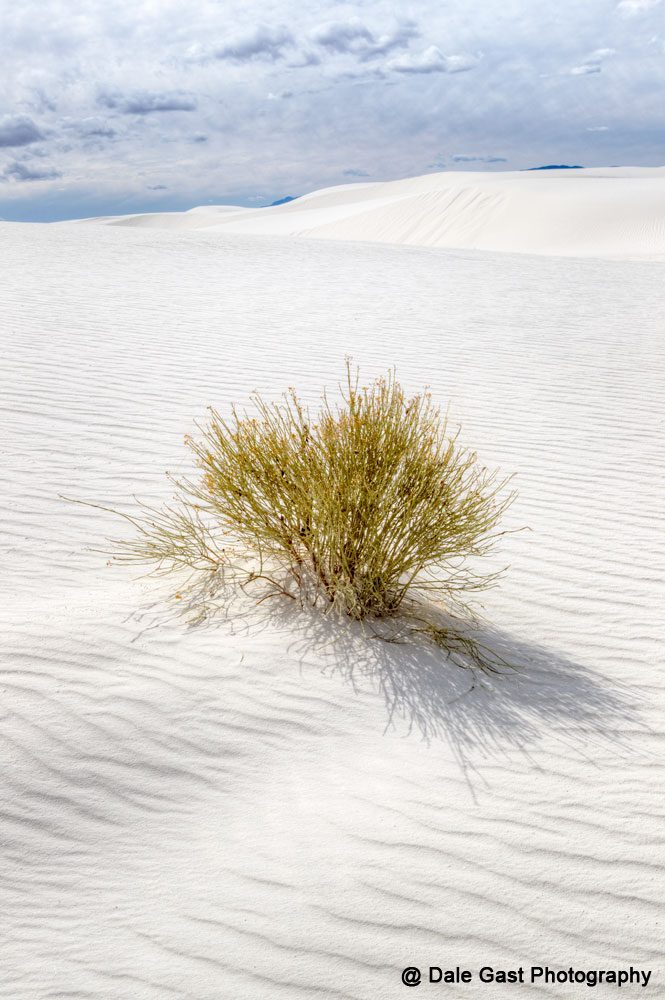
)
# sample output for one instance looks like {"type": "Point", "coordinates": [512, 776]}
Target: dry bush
{"type": "Point", "coordinates": [370, 509]}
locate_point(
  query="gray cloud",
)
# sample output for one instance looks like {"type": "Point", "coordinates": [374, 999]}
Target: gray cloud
{"type": "Point", "coordinates": [262, 43]}
{"type": "Point", "coordinates": [432, 60]}
{"type": "Point", "coordinates": [355, 173]}
{"type": "Point", "coordinates": [355, 38]}
{"type": "Point", "coordinates": [22, 172]}
{"type": "Point", "coordinates": [472, 158]}
{"type": "Point", "coordinates": [41, 102]}
{"type": "Point", "coordinates": [146, 102]}
{"type": "Point", "coordinates": [307, 58]}
{"type": "Point", "coordinates": [156, 187]}
{"type": "Point", "coordinates": [342, 36]}
{"type": "Point", "coordinates": [102, 132]}
{"type": "Point", "coordinates": [93, 128]}
{"type": "Point", "coordinates": [19, 131]}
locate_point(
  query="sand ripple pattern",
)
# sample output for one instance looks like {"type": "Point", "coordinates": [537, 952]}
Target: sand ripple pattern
{"type": "Point", "coordinates": [247, 810]}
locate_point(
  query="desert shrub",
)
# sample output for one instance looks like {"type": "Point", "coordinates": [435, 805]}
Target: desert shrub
{"type": "Point", "coordinates": [370, 509]}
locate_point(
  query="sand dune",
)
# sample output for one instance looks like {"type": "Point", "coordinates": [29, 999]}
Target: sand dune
{"type": "Point", "coordinates": [613, 212]}
{"type": "Point", "coordinates": [268, 807]}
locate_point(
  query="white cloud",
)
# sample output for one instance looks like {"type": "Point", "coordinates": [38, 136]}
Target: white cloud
{"type": "Point", "coordinates": [593, 62]}
{"type": "Point", "coordinates": [432, 60]}
{"type": "Point", "coordinates": [398, 38]}
{"type": "Point", "coordinates": [629, 8]}
{"type": "Point", "coordinates": [585, 69]}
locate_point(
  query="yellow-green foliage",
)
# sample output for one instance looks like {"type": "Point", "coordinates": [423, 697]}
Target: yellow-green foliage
{"type": "Point", "coordinates": [369, 507]}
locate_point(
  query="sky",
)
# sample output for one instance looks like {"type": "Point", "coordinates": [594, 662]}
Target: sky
{"type": "Point", "coordinates": [116, 107]}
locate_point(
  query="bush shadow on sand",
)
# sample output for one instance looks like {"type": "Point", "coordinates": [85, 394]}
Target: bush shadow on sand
{"type": "Point", "coordinates": [427, 694]}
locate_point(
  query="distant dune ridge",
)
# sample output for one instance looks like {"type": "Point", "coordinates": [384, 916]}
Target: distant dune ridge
{"type": "Point", "coordinates": [616, 212]}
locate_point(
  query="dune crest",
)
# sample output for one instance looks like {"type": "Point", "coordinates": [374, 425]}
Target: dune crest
{"type": "Point", "coordinates": [616, 212]}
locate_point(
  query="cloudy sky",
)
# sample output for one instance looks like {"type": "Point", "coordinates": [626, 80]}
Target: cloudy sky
{"type": "Point", "coordinates": [116, 106]}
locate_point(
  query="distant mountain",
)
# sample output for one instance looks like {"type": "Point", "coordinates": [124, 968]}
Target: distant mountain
{"type": "Point", "coordinates": [282, 201]}
{"type": "Point", "coordinates": [558, 166]}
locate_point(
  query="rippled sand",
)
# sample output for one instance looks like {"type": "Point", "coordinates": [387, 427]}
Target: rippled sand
{"type": "Point", "coordinates": [251, 809]}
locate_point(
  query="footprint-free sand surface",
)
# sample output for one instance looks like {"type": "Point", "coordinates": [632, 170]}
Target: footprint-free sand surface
{"type": "Point", "coordinates": [269, 807]}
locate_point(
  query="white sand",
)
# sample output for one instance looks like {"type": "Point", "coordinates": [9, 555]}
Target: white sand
{"type": "Point", "coordinates": [612, 212]}
{"type": "Point", "coordinates": [245, 810]}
